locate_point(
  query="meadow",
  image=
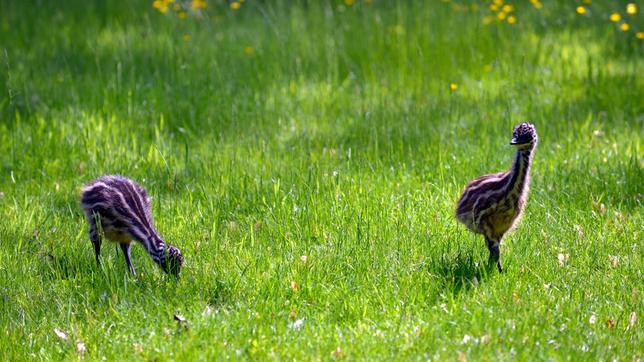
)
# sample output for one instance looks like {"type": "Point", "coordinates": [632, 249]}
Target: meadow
{"type": "Point", "coordinates": [306, 157]}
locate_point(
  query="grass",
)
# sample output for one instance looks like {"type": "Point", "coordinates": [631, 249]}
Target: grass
{"type": "Point", "coordinates": [290, 129]}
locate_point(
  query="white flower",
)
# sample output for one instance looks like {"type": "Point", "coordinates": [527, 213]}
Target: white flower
{"type": "Point", "coordinates": [61, 334]}
{"type": "Point", "coordinates": [297, 324]}
{"type": "Point", "coordinates": [592, 319]}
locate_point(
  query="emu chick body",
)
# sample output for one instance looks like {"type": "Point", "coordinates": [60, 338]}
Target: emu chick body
{"type": "Point", "coordinates": [119, 209]}
{"type": "Point", "coordinates": [491, 205]}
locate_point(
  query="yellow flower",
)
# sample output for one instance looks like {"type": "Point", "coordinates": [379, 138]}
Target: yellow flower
{"type": "Point", "coordinates": [615, 17]}
{"type": "Point", "coordinates": [508, 8]}
{"type": "Point", "coordinates": [183, 15]}
{"type": "Point", "coordinates": [581, 10]}
{"type": "Point", "coordinates": [453, 87]}
{"type": "Point", "coordinates": [397, 29]}
{"type": "Point", "coordinates": [348, 2]}
{"type": "Point", "coordinates": [537, 4]}
{"type": "Point", "coordinates": [494, 7]}
{"type": "Point", "coordinates": [631, 9]}
{"type": "Point", "coordinates": [248, 50]}
{"type": "Point", "coordinates": [498, 2]}
{"type": "Point", "coordinates": [625, 27]}
{"type": "Point", "coordinates": [187, 37]}
{"type": "Point", "coordinates": [512, 19]}
{"type": "Point", "coordinates": [161, 5]}
{"type": "Point", "coordinates": [639, 35]}
{"type": "Point", "coordinates": [235, 5]}
{"type": "Point", "coordinates": [588, 1]}
{"type": "Point", "coordinates": [501, 15]}
{"type": "Point", "coordinates": [198, 4]}
{"type": "Point", "coordinates": [487, 68]}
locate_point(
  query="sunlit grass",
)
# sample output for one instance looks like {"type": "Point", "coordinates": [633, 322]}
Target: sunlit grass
{"type": "Point", "coordinates": [306, 159]}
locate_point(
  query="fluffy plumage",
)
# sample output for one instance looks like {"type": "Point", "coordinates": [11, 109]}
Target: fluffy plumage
{"type": "Point", "coordinates": [492, 204]}
{"type": "Point", "coordinates": [119, 209]}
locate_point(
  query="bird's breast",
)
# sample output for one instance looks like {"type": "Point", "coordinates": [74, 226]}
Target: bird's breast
{"type": "Point", "coordinates": [503, 214]}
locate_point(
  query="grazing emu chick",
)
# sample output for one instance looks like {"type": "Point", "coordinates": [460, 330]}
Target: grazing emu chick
{"type": "Point", "coordinates": [491, 204]}
{"type": "Point", "coordinates": [121, 208]}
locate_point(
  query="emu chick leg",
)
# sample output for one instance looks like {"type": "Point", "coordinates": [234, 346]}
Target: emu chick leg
{"type": "Point", "coordinates": [95, 237]}
{"type": "Point", "coordinates": [495, 252]}
{"type": "Point", "coordinates": [127, 253]}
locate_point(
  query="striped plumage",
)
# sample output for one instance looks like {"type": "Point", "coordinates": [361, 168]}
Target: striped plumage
{"type": "Point", "coordinates": [492, 204]}
{"type": "Point", "coordinates": [119, 209]}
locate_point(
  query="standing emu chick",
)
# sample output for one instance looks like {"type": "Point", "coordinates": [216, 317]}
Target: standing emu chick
{"type": "Point", "coordinates": [121, 208]}
{"type": "Point", "coordinates": [491, 204]}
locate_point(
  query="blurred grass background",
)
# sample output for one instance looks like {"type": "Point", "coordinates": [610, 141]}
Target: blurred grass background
{"type": "Point", "coordinates": [306, 158]}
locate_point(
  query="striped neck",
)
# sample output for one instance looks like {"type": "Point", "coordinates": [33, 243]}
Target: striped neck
{"type": "Point", "coordinates": [156, 249]}
{"type": "Point", "coordinates": [518, 175]}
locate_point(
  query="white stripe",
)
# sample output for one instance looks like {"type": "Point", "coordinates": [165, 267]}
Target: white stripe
{"type": "Point", "coordinates": [474, 188]}
{"type": "Point", "coordinates": [126, 206]}
{"type": "Point", "coordinates": [100, 203]}
{"type": "Point", "coordinates": [143, 212]}
{"type": "Point", "coordinates": [141, 235]}
{"type": "Point", "coordinates": [89, 188]}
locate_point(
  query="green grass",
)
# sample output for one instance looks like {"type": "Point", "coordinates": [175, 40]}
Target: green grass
{"type": "Point", "coordinates": [337, 138]}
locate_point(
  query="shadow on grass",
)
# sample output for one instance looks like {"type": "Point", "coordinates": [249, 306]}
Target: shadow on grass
{"type": "Point", "coordinates": [219, 294]}
{"type": "Point", "coordinates": [35, 251]}
{"type": "Point", "coordinates": [61, 267]}
{"type": "Point", "coordinates": [460, 272]}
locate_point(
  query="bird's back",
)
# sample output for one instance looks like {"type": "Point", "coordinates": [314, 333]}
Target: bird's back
{"type": "Point", "coordinates": [122, 205]}
{"type": "Point", "coordinates": [475, 196]}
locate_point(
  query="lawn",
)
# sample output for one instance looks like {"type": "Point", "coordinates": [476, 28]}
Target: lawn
{"type": "Point", "coordinates": [306, 157]}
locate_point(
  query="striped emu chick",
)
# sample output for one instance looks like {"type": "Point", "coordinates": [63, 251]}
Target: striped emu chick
{"type": "Point", "coordinates": [119, 209]}
{"type": "Point", "coordinates": [491, 204]}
